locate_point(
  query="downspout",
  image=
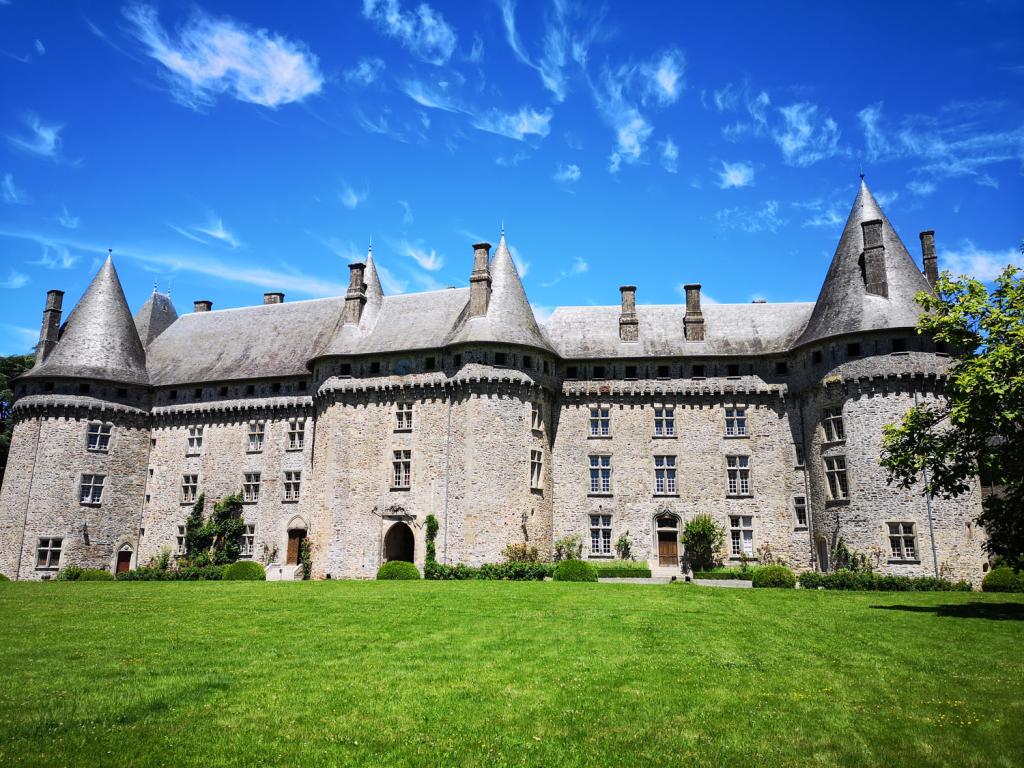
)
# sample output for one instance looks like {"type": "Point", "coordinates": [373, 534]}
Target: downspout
{"type": "Point", "coordinates": [928, 504]}
{"type": "Point", "coordinates": [142, 506]}
{"type": "Point", "coordinates": [807, 490]}
{"type": "Point", "coordinates": [447, 453]}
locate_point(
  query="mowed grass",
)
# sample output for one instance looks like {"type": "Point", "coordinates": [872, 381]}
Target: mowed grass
{"type": "Point", "coordinates": [493, 673]}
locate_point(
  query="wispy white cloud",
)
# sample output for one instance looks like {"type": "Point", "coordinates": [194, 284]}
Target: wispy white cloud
{"type": "Point", "coordinates": [823, 213]}
{"type": "Point", "coordinates": [510, 161]}
{"type": "Point", "coordinates": [567, 174]}
{"type": "Point", "coordinates": [428, 96]}
{"type": "Point", "coordinates": [66, 220]}
{"type": "Point", "coordinates": [15, 279]}
{"type": "Point", "coordinates": [185, 233]}
{"type": "Point", "coordinates": [423, 31]}
{"type": "Point", "coordinates": [885, 199]}
{"type": "Point", "coordinates": [804, 137]}
{"type": "Point", "coordinates": [541, 312]}
{"type": "Point", "coordinates": [522, 265]}
{"type": "Point", "coordinates": [979, 263]}
{"type": "Point", "coordinates": [10, 193]}
{"type": "Point", "coordinates": [665, 76]}
{"type": "Point", "coordinates": [577, 267]}
{"type": "Point", "coordinates": [551, 63]}
{"type": "Point", "coordinates": [516, 125]}
{"type": "Point", "coordinates": [735, 175]}
{"type": "Point", "coordinates": [407, 217]}
{"type": "Point", "coordinates": [40, 48]}
{"type": "Point", "coordinates": [215, 229]}
{"type": "Point", "coordinates": [428, 259]}
{"type": "Point", "coordinates": [669, 155]}
{"type": "Point", "coordinates": [20, 339]}
{"type": "Point", "coordinates": [921, 188]}
{"type": "Point", "coordinates": [43, 139]}
{"type": "Point", "coordinates": [352, 198]}
{"type": "Point", "coordinates": [389, 282]}
{"type": "Point", "coordinates": [762, 219]}
{"type": "Point", "coordinates": [366, 72]}
{"type": "Point", "coordinates": [211, 57]}
{"type": "Point", "coordinates": [55, 255]}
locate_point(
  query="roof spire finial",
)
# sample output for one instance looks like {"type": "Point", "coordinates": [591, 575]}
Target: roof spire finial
{"type": "Point", "coordinates": [110, 253]}
{"type": "Point", "coordinates": [502, 226]}
{"type": "Point", "coordinates": [154, 285]}
{"type": "Point", "coordinates": [369, 248]}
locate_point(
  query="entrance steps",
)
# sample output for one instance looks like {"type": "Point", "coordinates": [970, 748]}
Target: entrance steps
{"type": "Point", "coordinates": [279, 572]}
{"type": "Point", "coordinates": [666, 572]}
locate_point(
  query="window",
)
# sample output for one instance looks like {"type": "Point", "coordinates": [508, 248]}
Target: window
{"type": "Point", "coordinates": [91, 490]}
{"type": "Point", "coordinates": [600, 534]}
{"type": "Point", "coordinates": [546, 367]}
{"type": "Point", "coordinates": [292, 485]}
{"type": "Point", "coordinates": [732, 369]}
{"type": "Point", "coordinates": [345, 369]}
{"type": "Point", "coordinates": [248, 540]}
{"type": "Point", "coordinates": [598, 372]}
{"type": "Point", "coordinates": [302, 386]}
{"type": "Point", "coordinates": [179, 541]}
{"type": "Point", "coordinates": [195, 440]}
{"type": "Point", "coordinates": [375, 367]}
{"type": "Point", "coordinates": [189, 486]}
{"type": "Point", "coordinates": [250, 389]}
{"type": "Point", "coordinates": [430, 364]}
{"type": "Point", "coordinates": [832, 424]}
{"type": "Point", "coordinates": [599, 421]}
{"type": "Point", "coordinates": [457, 361]}
{"type": "Point", "coordinates": [735, 422]}
{"type": "Point", "coordinates": [222, 392]}
{"type": "Point", "coordinates": [197, 393]}
{"type": "Point", "coordinates": [665, 475]}
{"type": "Point", "coordinates": [853, 349]}
{"type": "Point", "coordinates": [121, 391]}
{"type": "Point", "coordinates": [572, 372]}
{"type": "Point", "coordinates": [98, 437]}
{"type": "Point", "coordinates": [664, 421]}
{"type": "Point", "coordinates": [816, 356]}
{"type": "Point", "coordinates": [536, 417]}
{"type": "Point", "coordinates": [536, 467]}
{"type": "Point", "coordinates": [800, 508]}
{"type": "Point", "coordinates": [663, 371]}
{"type": "Point", "coordinates": [630, 372]}
{"type": "Point", "coordinates": [500, 358]}
{"type": "Point", "coordinates": [902, 541]}
{"type": "Point", "coordinates": [738, 472]}
{"type": "Point", "coordinates": [835, 473]}
{"type": "Point", "coordinates": [403, 417]}
{"type": "Point", "coordinates": [296, 434]}
{"type": "Point", "coordinates": [698, 372]}
{"type": "Point", "coordinates": [48, 553]}
{"type": "Point", "coordinates": [600, 474]}
{"type": "Point", "coordinates": [527, 361]}
{"type": "Point", "coordinates": [899, 345]}
{"type": "Point", "coordinates": [256, 431]}
{"type": "Point", "coordinates": [781, 368]}
{"type": "Point", "coordinates": [799, 455]}
{"type": "Point", "coordinates": [251, 487]}
{"type": "Point", "coordinates": [403, 469]}
{"type": "Point", "coordinates": [741, 534]}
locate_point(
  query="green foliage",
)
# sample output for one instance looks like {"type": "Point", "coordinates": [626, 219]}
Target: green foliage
{"type": "Point", "coordinates": [773, 576]}
{"type": "Point", "coordinates": [574, 570]}
{"type": "Point", "coordinates": [77, 573]}
{"type": "Point", "coordinates": [4, 578]}
{"type": "Point", "coordinates": [742, 572]}
{"type": "Point", "coordinates": [846, 559]}
{"type": "Point", "coordinates": [877, 582]}
{"type": "Point", "coordinates": [520, 553]}
{"type": "Point", "coordinates": [980, 424]}
{"type": "Point", "coordinates": [624, 547]}
{"type": "Point", "coordinates": [568, 548]}
{"type": "Point", "coordinates": [515, 571]}
{"type": "Point", "coordinates": [702, 540]}
{"type": "Point", "coordinates": [621, 569]}
{"type": "Point", "coordinates": [1003, 579]}
{"type": "Point", "coordinates": [11, 366]}
{"type": "Point", "coordinates": [438, 572]}
{"type": "Point", "coordinates": [184, 573]}
{"type": "Point", "coordinates": [163, 559]}
{"type": "Point", "coordinates": [398, 570]}
{"type": "Point", "coordinates": [306, 558]}
{"type": "Point", "coordinates": [217, 541]}
{"type": "Point", "coordinates": [244, 570]}
{"type": "Point", "coordinates": [432, 526]}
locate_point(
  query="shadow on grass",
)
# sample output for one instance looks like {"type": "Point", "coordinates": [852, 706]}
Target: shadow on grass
{"type": "Point", "coordinates": [996, 611]}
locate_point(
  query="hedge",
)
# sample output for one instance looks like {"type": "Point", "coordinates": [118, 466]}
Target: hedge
{"type": "Point", "coordinates": [186, 573]}
{"type": "Point", "coordinates": [77, 573]}
{"type": "Point", "coordinates": [245, 570]}
{"type": "Point", "coordinates": [398, 570]}
{"type": "Point", "coordinates": [622, 569]}
{"type": "Point", "coordinates": [741, 574]}
{"type": "Point", "coordinates": [778, 576]}
{"type": "Point", "coordinates": [514, 571]}
{"type": "Point", "coordinates": [877, 582]}
{"type": "Point", "coordinates": [3, 578]}
{"type": "Point", "coordinates": [574, 570]}
{"type": "Point", "coordinates": [436, 571]}
{"type": "Point", "coordinates": [1003, 579]}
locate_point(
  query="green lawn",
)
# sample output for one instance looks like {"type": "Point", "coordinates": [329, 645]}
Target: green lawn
{"type": "Point", "coordinates": [495, 673]}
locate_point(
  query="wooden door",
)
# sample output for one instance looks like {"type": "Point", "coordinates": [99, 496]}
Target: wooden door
{"type": "Point", "coordinates": [668, 549]}
{"type": "Point", "coordinates": [124, 561]}
{"type": "Point", "coordinates": [294, 543]}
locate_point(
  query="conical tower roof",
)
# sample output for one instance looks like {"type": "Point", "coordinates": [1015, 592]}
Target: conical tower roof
{"type": "Point", "coordinates": [509, 316]}
{"type": "Point", "coordinates": [374, 292]}
{"type": "Point", "coordinates": [844, 305]}
{"type": "Point", "coordinates": [155, 317]}
{"type": "Point", "coordinates": [99, 339]}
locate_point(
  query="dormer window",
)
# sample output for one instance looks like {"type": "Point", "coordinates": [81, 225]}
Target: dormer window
{"type": "Point", "coordinates": [698, 372]}
{"type": "Point", "coordinates": [663, 371]}
{"type": "Point", "coordinates": [732, 369]}
{"type": "Point", "coordinates": [572, 372]}
{"type": "Point", "coordinates": [345, 369]}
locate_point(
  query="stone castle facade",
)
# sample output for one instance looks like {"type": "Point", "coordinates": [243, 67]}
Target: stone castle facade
{"type": "Point", "coordinates": [347, 421]}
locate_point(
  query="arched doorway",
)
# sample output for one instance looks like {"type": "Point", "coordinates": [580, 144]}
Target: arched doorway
{"type": "Point", "coordinates": [124, 559]}
{"type": "Point", "coordinates": [667, 527]}
{"type": "Point", "coordinates": [296, 535]}
{"type": "Point", "coordinates": [399, 543]}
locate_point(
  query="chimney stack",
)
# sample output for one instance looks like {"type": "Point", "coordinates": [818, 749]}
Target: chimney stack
{"type": "Point", "coordinates": [931, 261]}
{"type": "Point", "coordinates": [480, 280]}
{"type": "Point", "coordinates": [693, 322]}
{"type": "Point", "coordinates": [203, 305]}
{"type": "Point", "coordinates": [51, 325]}
{"type": "Point", "coordinates": [355, 297]}
{"type": "Point", "coordinates": [629, 325]}
{"type": "Point", "coordinates": [873, 260]}
{"type": "Point", "coordinates": [273, 298]}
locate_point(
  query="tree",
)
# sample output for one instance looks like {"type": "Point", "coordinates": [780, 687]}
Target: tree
{"type": "Point", "coordinates": [11, 366]}
{"type": "Point", "coordinates": [979, 426]}
{"type": "Point", "coordinates": [702, 541]}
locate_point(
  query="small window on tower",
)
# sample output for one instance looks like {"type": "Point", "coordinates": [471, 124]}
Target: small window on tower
{"type": "Point", "coordinates": [572, 372]}
{"type": "Point", "coordinates": [732, 369]}
{"type": "Point", "coordinates": [457, 361]}
{"type": "Point", "coordinates": [172, 395]}
{"type": "Point", "coordinates": [781, 368]}
{"type": "Point", "coordinates": [527, 361]}
{"type": "Point", "coordinates": [816, 356]}
{"type": "Point", "coordinates": [630, 371]}
{"type": "Point", "coordinates": [500, 358]}
{"type": "Point", "coordinates": [302, 386]}
{"type": "Point", "coordinates": [599, 372]}
{"type": "Point", "coordinates": [83, 389]}
{"type": "Point", "coordinates": [853, 349]}
{"type": "Point", "coordinates": [345, 370]}
{"type": "Point", "coordinates": [222, 392]}
{"type": "Point", "coordinates": [250, 389]}
{"type": "Point", "coordinates": [121, 391]}
{"type": "Point", "coordinates": [698, 372]}
{"type": "Point", "coordinates": [197, 393]}
{"type": "Point", "coordinates": [664, 371]}
{"type": "Point", "coordinates": [899, 345]}
{"type": "Point", "coordinates": [275, 387]}
{"type": "Point", "coordinates": [430, 364]}
{"type": "Point", "coordinates": [375, 368]}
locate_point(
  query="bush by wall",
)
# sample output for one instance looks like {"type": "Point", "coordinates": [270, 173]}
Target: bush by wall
{"type": "Point", "coordinates": [1003, 579]}
{"type": "Point", "coordinates": [622, 569]}
{"type": "Point", "coordinates": [77, 573]}
{"type": "Point", "coordinates": [245, 570]}
{"type": "Point", "coordinates": [439, 572]}
{"type": "Point", "coordinates": [778, 576]}
{"type": "Point", "coordinates": [702, 540]}
{"type": "Point", "coordinates": [514, 571]}
{"type": "Point", "coordinates": [185, 573]}
{"type": "Point", "coordinates": [877, 582]}
{"type": "Point", "coordinates": [3, 578]}
{"type": "Point", "coordinates": [574, 570]}
{"type": "Point", "coordinates": [398, 570]}
{"type": "Point", "coordinates": [740, 573]}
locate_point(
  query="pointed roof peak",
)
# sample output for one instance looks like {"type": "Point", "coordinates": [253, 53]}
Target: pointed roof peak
{"type": "Point", "coordinates": [155, 316]}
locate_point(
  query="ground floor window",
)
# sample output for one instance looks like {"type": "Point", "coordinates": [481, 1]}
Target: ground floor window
{"type": "Point", "coordinates": [835, 473]}
{"type": "Point", "coordinates": [800, 509]}
{"type": "Point", "coordinates": [600, 534]}
{"type": "Point", "coordinates": [741, 533]}
{"type": "Point", "coordinates": [48, 553]}
{"type": "Point", "coordinates": [179, 541]}
{"type": "Point", "coordinates": [248, 539]}
{"type": "Point", "coordinates": [902, 541]}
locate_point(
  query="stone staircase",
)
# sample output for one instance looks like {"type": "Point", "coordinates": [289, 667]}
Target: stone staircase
{"type": "Point", "coordinates": [279, 572]}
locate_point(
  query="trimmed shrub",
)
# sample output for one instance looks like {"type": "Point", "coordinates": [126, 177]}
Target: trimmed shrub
{"type": "Point", "coordinates": [574, 570]}
{"type": "Point", "coordinates": [245, 570]}
{"type": "Point", "coordinates": [740, 573]}
{"type": "Point", "coordinates": [778, 576]}
{"type": "Point", "coordinates": [77, 573]}
{"type": "Point", "coordinates": [702, 540]}
{"type": "Point", "coordinates": [438, 572]}
{"type": "Point", "coordinates": [1003, 579]}
{"type": "Point", "coordinates": [398, 570]}
{"type": "Point", "coordinates": [514, 571]}
{"type": "Point", "coordinates": [622, 569]}
{"type": "Point", "coordinates": [877, 582]}
{"type": "Point", "coordinates": [4, 578]}
{"type": "Point", "coordinates": [185, 573]}
{"type": "Point", "coordinates": [520, 553]}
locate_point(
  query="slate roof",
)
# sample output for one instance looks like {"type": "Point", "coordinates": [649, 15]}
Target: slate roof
{"type": "Point", "coordinates": [99, 339]}
{"type": "Point", "coordinates": [154, 317]}
{"type": "Point", "coordinates": [844, 306]}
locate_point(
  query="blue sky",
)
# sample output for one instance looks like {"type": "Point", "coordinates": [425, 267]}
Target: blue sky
{"type": "Point", "coordinates": [224, 149]}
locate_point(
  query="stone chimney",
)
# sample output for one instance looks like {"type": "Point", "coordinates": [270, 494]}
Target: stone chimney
{"type": "Point", "coordinates": [873, 260]}
{"type": "Point", "coordinates": [480, 281]}
{"type": "Point", "coordinates": [203, 305]}
{"type": "Point", "coordinates": [629, 325]}
{"type": "Point", "coordinates": [273, 298]}
{"type": "Point", "coordinates": [51, 325]}
{"type": "Point", "coordinates": [930, 260]}
{"type": "Point", "coordinates": [355, 297]}
{"type": "Point", "coordinates": [693, 322]}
